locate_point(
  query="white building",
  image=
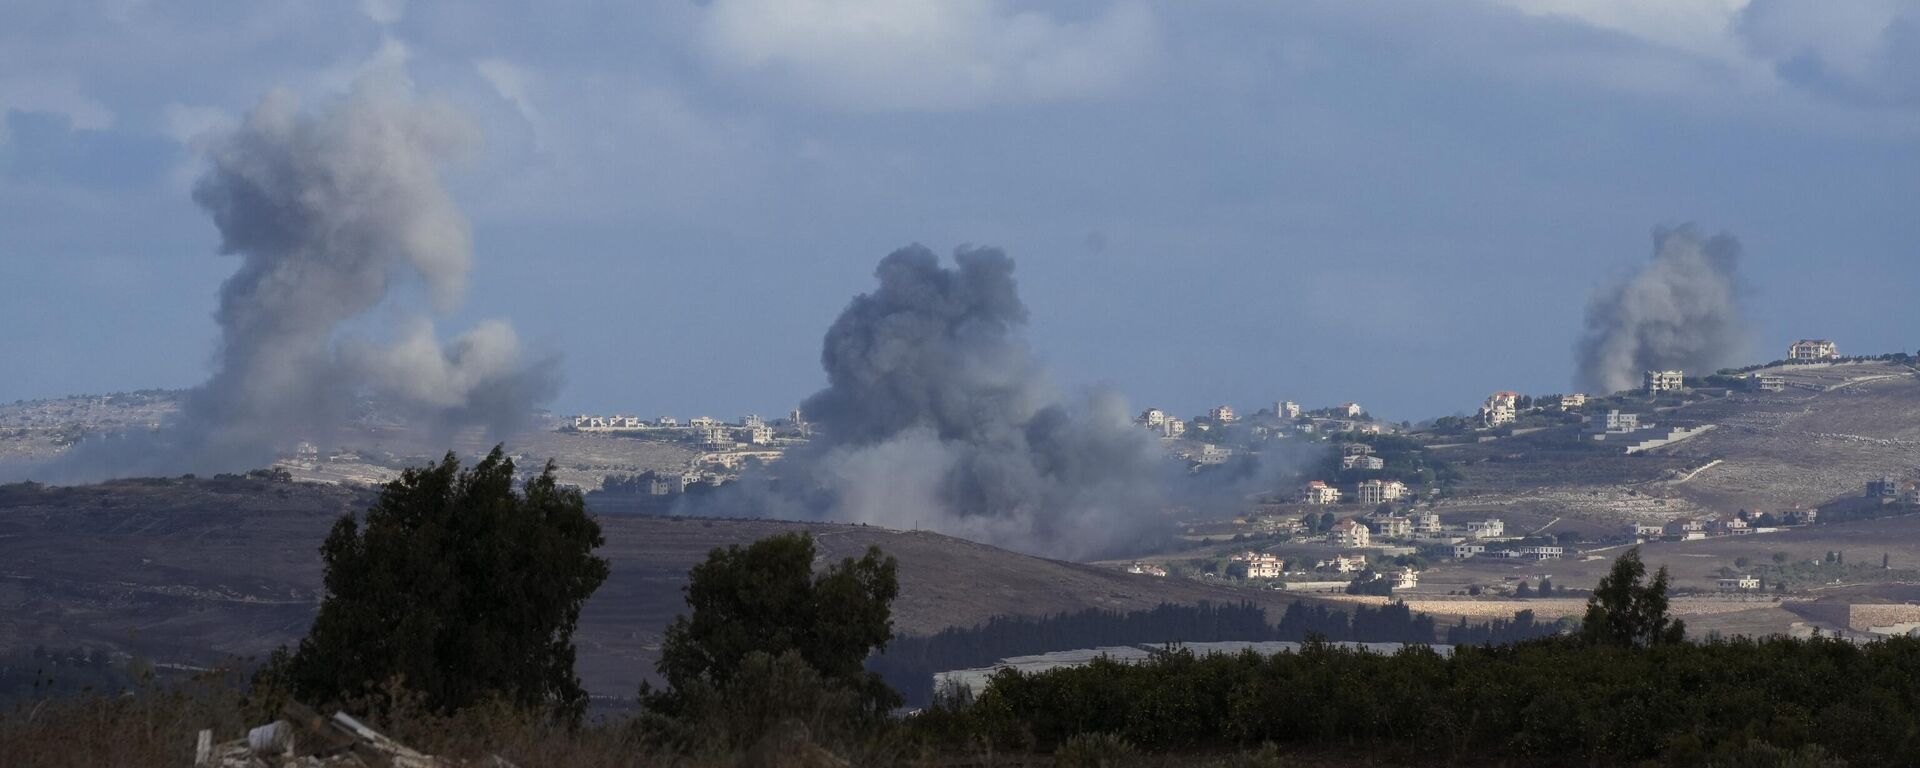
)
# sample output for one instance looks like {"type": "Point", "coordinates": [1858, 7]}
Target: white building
{"type": "Point", "coordinates": [1362, 461]}
{"type": "Point", "coordinates": [1464, 550]}
{"type": "Point", "coordinates": [1491, 528]}
{"type": "Point", "coordinates": [1351, 533]}
{"type": "Point", "coordinates": [1391, 527]}
{"type": "Point", "coordinates": [1152, 417]}
{"type": "Point", "coordinates": [757, 434]}
{"type": "Point", "coordinates": [702, 422]}
{"type": "Point", "coordinates": [1428, 523]}
{"type": "Point", "coordinates": [1574, 401]}
{"type": "Point", "coordinates": [1408, 578]}
{"type": "Point", "coordinates": [1740, 583]}
{"type": "Point", "coordinates": [1221, 414]}
{"type": "Point", "coordinates": [1376, 492]}
{"type": "Point", "coordinates": [1318, 492]}
{"type": "Point", "coordinates": [1614, 423]}
{"type": "Point", "coordinates": [1500, 409]}
{"type": "Point", "coordinates": [1813, 349]}
{"type": "Point", "coordinates": [1286, 409]}
{"type": "Point", "coordinates": [1351, 410]}
{"type": "Point", "coordinates": [1665, 381]}
{"type": "Point", "coordinates": [715, 436]}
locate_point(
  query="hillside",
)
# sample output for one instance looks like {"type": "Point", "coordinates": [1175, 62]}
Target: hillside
{"type": "Point", "coordinates": [190, 571]}
{"type": "Point", "coordinates": [1831, 430]}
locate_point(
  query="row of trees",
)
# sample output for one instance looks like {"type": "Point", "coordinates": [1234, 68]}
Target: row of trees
{"type": "Point", "coordinates": [459, 591]}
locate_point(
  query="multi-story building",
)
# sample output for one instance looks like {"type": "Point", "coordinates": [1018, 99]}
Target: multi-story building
{"type": "Point", "coordinates": [1613, 423]}
{"type": "Point", "coordinates": [1286, 409]}
{"type": "Point", "coordinates": [1761, 382]}
{"type": "Point", "coordinates": [1813, 349]}
{"type": "Point", "coordinates": [1464, 550]}
{"type": "Point", "coordinates": [1362, 461]}
{"type": "Point", "coordinates": [1390, 527]}
{"type": "Point", "coordinates": [1573, 401]}
{"type": "Point", "coordinates": [756, 434]}
{"type": "Point", "coordinates": [1665, 381]}
{"type": "Point", "coordinates": [1376, 492]}
{"type": "Point", "coordinates": [1491, 528]}
{"type": "Point", "coordinates": [1428, 523]}
{"type": "Point", "coordinates": [1152, 417]}
{"type": "Point", "coordinates": [1175, 427]}
{"type": "Point", "coordinates": [1351, 410]}
{"type": "Point", "coordinates": [1351, 533]}
{"type": "Point", "coordinates": [1501, 408]}
{"type": "Point", "coordinates": [1221, 414]}
{"type": "Point", "coordinates": [1318, 492]}
{"type": "Point", "coordinates": [702, 422]}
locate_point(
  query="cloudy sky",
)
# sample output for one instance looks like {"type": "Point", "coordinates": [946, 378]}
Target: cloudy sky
{"type": "Point", "coordinates": [1400, 203]}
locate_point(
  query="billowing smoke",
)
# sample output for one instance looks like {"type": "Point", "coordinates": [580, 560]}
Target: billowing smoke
{"type": "Point", "coordinates": [937, 416]}
{"type": "Point", "coordinates": [1681, 311]}
{"type": "Point", "coordinates": [339, 218]}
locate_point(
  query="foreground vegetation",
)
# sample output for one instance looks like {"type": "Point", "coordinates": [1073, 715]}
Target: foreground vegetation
{"type": "Point", "coordinates": [450, 609]}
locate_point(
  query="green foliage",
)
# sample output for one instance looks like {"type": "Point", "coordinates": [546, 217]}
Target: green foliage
{"type": "Point", "coordinates": [1626, 613]}
{"type": "Point", "coordinates": [459, 587]}
{"type": "Point", "coordinates": [764, 598]}
{"type": "Point", "coordinates": [1557, 700]}
{"type": "Point", "coordinates": [1094, 750]}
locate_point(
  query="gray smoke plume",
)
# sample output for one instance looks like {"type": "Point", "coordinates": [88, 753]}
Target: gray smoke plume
{"type": "Point", "coordinates": [1681, 311]}
{"type": "Point", "coordinates": [937, 416]}
{"type": "Point", "coordinates": [333, 215]}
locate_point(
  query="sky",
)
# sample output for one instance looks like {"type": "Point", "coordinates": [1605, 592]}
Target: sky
{"type": "Point", "coordinates": [1402, 204]}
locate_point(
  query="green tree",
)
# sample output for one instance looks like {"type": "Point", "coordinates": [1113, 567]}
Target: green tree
{"type": "Point", "coordinates": [458, 586]}
{"type": "Point", "coordinates": [1546, 587]}
{"type": "Point", "coordinates": [765, 598]}
{"type": "Point", "coordinates": [1625, 612]}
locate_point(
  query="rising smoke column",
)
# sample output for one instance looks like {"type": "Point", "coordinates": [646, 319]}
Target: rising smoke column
{"type": "Point", "coordinates": [937, 416]}
{"type": "Point", "coordinates": [1681, 311]}
{"type": "Point", "coordinates": [330, 212]}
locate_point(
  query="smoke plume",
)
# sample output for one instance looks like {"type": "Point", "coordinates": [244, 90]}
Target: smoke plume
{"type": "Point", "coordinates": [335, 215]}
{"type": "Point", "coordinates": [937, 416]}
{"type": "Point", "coordinates": [1681, 311]}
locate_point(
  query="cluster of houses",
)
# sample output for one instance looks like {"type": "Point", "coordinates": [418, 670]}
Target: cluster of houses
{"type": "Point", "coordinates": [1503, 408]}
{"type": "Point", "coordinates": [1285, 417]}
{"type": "Point", "coordinates": [1262, 565]}
{"type": "Point", "coordinates": [705, 430]}
{"type": "Point", "coordinates": [1369, 492]}
{"type": "Point", "coordinates": [1887, 490]}
{"type": "Point", "coordinates": [1695, 528]}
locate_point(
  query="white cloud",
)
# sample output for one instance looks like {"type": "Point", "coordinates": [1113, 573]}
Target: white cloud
{"type": "Point", "coordinates": [930, 54]}
{"type": "Point", "coordinates": [514, 84]}
{"type": "Point", "coordinates": [1701, 27]}
{"type": "Point", "coordinates": [54, 96]}
{"type": "Point", "coordinates": [384, 12]}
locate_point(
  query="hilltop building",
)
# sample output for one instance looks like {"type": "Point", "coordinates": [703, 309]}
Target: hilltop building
{"type": "Point", "coordinates": [1377, 492]}
{"type": "Point", "coordinates": [1665, 381]}
{"type": "Point", "coordinates": [1813, 349]}
{"type": "Point", "coordinates": [1362, 461]}
{"type": "Point", "coordinates": [1286, 409]}
{"type": "Point", "coordinates": [1221, 414]}
{"type": "Point", "coordinates": [1152, 417]}
{"type": "Point", "coordinates": [1573, 401]}
{"type": "Point", "coordinates": [1351, 410]}
{"type": "Point", "coordinates": [1501, 409]}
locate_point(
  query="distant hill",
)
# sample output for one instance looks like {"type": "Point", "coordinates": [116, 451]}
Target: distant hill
{"type": "Point", "coordinates": [191, 571]}
{"type": "Point", "coordinates": [1832, 429]}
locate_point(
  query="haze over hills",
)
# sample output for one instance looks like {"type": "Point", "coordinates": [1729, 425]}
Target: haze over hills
{"type": "Point", "coordinates": [192, 571]}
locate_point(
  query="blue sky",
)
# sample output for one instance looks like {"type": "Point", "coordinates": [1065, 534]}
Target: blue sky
{"type": "Point", "coordinates": [1404, 204]}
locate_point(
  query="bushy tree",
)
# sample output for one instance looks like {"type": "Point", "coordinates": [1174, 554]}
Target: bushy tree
{"type": "Point", "coordinates": [765, 598]}
{"type": "Point", "coordinates": [459, 587]}
{"type": "Point", "coordinates": [1625, 612]}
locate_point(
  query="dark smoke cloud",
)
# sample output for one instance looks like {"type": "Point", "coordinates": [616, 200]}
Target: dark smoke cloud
{"type": "Point", "coordinates": [1681, 311]}
{"type": "Point", "coordinates": [333, 214]}
{"type": "Point", "coordinates": [937, 416]}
